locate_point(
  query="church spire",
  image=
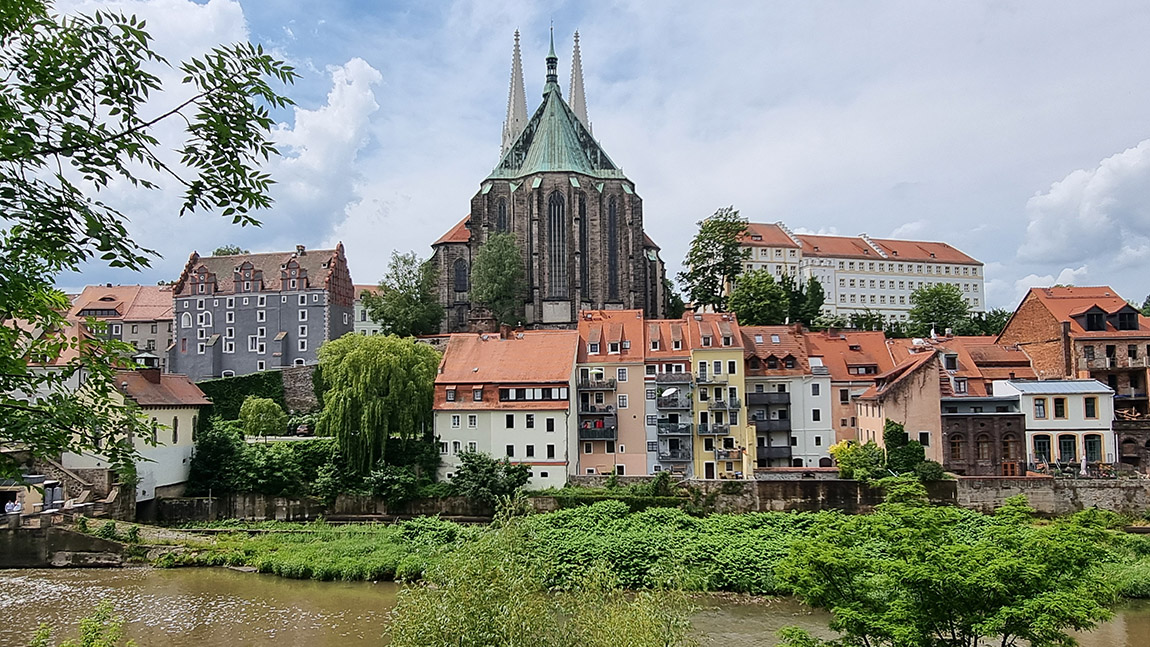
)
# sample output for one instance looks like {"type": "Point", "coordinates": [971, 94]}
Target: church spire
{"type": "Point", "coordinates": [575, 98]}
{"type": "Point", "coordinates": [516, 101]}
{"type": "Point", "coordinates": [552, 63]}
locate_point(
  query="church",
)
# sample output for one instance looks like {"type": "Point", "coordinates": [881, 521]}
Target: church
{"type": "Point", "coordinates": [577, 218]}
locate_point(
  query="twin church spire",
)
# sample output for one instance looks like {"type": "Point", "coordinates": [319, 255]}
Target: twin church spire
{"type": "Point", "coordinates": [517, 97]}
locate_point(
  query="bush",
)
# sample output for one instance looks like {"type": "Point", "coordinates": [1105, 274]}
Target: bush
{"type": "Point", "coordinates": [394, 484]}
{"type": "Point", "coordinates": [929, 471]}
{"type": "Point", "coordinates": [107, 531]}
{"type": "Point", "coordinates": [484, 478]}
{"type": "Point", "coordinates": [228, 394]}
{"type": "Point", "coordinates": [262, 417]}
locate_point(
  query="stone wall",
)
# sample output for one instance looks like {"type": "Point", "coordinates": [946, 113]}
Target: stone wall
{"type": "Point", "coordinates": [55, 547]}
{"type": "Point", "coordinates": [74, 482]}
{"type": "Point", "coordinates": [1051, 496]}
{"type": "Point", "coordinates": [299, 392]}
{"type": "Point", "coordinates": [259, 507]}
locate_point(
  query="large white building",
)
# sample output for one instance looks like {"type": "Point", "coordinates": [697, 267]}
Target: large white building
{"type": "Point", "coordinates": [860, 273]}
{"type": "Point", "coordinates": [1067, 421]}
{"type": "Point", "coordinates": [509, 395]}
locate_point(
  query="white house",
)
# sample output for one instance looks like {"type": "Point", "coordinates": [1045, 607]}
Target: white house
{"type": "Point", "coordinates": [1066, 420]}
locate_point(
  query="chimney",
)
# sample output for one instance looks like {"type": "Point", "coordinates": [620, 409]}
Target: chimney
{"type": "Point", "coordinates": [150, 374]}
{"type": "Point", "coordinates": [300, 250]}
{"type": "Point", "coordinates": [504, 331]}
{"type": "Point", "coordinates": [950, 332]}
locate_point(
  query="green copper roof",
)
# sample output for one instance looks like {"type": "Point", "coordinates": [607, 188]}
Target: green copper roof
{"type": "Point", "coordinates": [555, 140]}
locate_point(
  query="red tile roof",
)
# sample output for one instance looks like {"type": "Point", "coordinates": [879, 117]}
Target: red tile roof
{"type": "Point", "coordinates": [717, 325]}
{"type": "Point", "coordinates": [667, 331]}
{"type": "Point", "coordinates": [1066, 302]}
{"type": "Point", "coordinates": [457, 234]}
{"type": "Point", "coordinates": [846, 348]}
{"type": "Point", "coordinates": [607, 326]}
{"type": "Point", "coordinates": [172, 390]}
{"type": "Point", "coordinates": [767, 235]}
{"type": "Point", "coordinates": [759, 341]}
{"type": "Point", "coordinates": [540, 356]}
{"type": "Point", "coordinates": [360, 289]}
{"type": "Point", "coordinates": [895, 250]}
{"type": "Point", "coordinates": [133, 302]}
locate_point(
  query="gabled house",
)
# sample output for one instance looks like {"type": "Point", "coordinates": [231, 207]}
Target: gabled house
{"type": "Point", "coordinates": [853, 358]}
{"type": "Point", "coordinates": [140, 315]}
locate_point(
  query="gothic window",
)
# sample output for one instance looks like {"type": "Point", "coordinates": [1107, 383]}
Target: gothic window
{"type": "Point", "coordinates": [460, 269]}
{"type": "Point", "coordinates": [501, 223]}
{"type": "Point", "coordinates": [584, 255]}
{"type": "Point", "coordinates": [556, 246]}
{"type": "Point", "coordinates": [612, 249]}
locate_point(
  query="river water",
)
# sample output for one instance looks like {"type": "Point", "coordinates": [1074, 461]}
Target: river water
{"type": "Point", "coordinates": [205, 607]}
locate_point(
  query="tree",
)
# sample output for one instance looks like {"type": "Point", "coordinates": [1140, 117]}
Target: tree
{"type": "Point", "coordinates": [378, 401]}
{"type": "Point", "coordinates": [76, 118]}
{"type": "Point", "coordinates": [902, 454]}
{"type": "Point", "coordinates": [217, 466]}
{"type": "Point", "coordinates": [1145, 309]}
{"type": "Point", "coordinates": [485, 479]}
{"type": "Point", "coordinates": [498, 280]}
{"type": "Point", "coordinates": [937, 307]}
{"type": "Point", "coordinates": [757, 300]}
{"type": "Point", "coordinates": [867, 319]}
{"type": "Point", "coordinates": [229, 250]}
{"type": "Point", "coordinates": [861, 462]}
{"type": "Point", "coordinates": [406, 303]}
{"type": "Point", "coordinates": [675, 305]}
{"type": "Point", "coordinates": [262, 417]}
{"type": "Point", "coordinates": [714, 258]}
{"type": "Point", "coordinates": [813, 299]}
{"type": "Point", "coordinates": [921, 576]}
{"type": "Point", "coordinates": [995, 320]}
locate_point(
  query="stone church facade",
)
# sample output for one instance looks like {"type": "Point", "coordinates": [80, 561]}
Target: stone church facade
{"type": "Point", "coordinates": [577, 218]}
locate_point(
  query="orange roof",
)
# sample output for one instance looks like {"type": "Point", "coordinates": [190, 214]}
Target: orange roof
{"type": "Point", "coordinates": [767, 235]}
{"type": "Point", "coordinates": [132, 302]}
{"type": "Point", "coordinates": [540, 356]}
{"type": "Point", "coordinates": [667, 332]}
{"type": "Point", "coordinates": [171, 390]}
{"type": "Point", "coordinates": [647, 242]}
{"type": "Point", "coordinates": [895, 250]}
{"type": "Point", "coordinates": [892, 378]}
{"type": "Point", "coordinates": [360, 289]}
{"type": "Point", "coordinates": [979, 359]}
{"type": "Point", "coordinates": [605, 327]}
{"type": "Point", "coordinates": [846, 348]}
{"type": "Point", "coordinates": [457, 234]}
{"type": "Point", "coordinates": [777, 341]}
{"type": "Point", "coordinates": [715, 325]}
{"type": "Point", "coordinates": [1064, 303]}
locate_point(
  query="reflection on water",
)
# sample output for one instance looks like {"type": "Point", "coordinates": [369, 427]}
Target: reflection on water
{"type": "Point", "coordinates": [218, 607]}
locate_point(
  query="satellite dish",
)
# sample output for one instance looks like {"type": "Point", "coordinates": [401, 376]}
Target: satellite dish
{"type": "Point", "coordinates": [669, 392]}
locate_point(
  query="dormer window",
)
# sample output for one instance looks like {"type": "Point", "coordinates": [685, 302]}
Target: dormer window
{"type": "Point", "coordinates": [1095, 321]}
{"type": "Point", "coordinates": [1127, 321]}
{"type": "Point", "coordinates": [960, 385]}
{"type": "Point", "coordinates": [593, 348]}
{"type": "Point", "coordinates": [613, 348]}
{"type": "Point", "coordinates": [756, 237]}
{"type": "Point", "coordinates": [451, 395]}
{"type": "Point", "coordinates": [772, 362]}
{"type": "Point", "coordinates": [654, 344]}
{"type": "Point", "coordinates": [727, 341]}
{"type": "Point", "coordinates": [677, 345]}
{"type": "Point", "coordinates": [706, 341]}
{"type": "Point", "coordinates": [950, 362]}
{"type": "Point", "coordinates": [789, 361]}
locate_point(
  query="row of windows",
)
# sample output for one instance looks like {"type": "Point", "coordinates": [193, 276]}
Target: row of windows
{"type": "Point", "coordinates": [261, 301]}
{"type": "Point", "coordinates": [508, 421]}
{"type": "Point", "coordinates": [1011, 448]}
{"type": "Point", "coordinates": [902, 285]}
{"type": "Point", "coordinates": [1088, 351]}
{"type": "Point", "coordinates": [1089, 408]}
{"type": "Point", "coordinates": [717, 367]}
{"type": "Point", "coordinates": [882, 299]}
{"type": "Point", "coordinates": [472, 446]}
{"type": "Point", "coordinates": [910, 268]}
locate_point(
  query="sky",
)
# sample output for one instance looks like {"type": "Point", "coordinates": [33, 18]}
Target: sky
{"type": "Point", "coordinates": [1018, 132]}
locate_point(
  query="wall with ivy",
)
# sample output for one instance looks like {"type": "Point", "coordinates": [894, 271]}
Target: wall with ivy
{"type": "Point", "coordinates": [228, 393]}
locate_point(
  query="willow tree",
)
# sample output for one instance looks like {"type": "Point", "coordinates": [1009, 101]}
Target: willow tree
{"type": "Point", "coordinates": [378, 399]}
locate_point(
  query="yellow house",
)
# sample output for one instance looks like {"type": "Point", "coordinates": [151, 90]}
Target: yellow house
{"type": "Point", "coordinates": [723, 441]}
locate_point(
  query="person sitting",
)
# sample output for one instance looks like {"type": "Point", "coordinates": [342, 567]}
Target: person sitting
{"type": "Point", "coordinates": [9, 507]}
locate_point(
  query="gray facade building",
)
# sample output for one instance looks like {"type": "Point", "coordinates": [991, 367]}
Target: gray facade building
{"type": "Point", "coordinates": [236, 315]}
{"type": "Point", "coordinates": [140, 315]}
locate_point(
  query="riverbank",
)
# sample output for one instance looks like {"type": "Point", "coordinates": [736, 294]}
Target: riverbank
{"type": "Point", "coordinates": [648, 549]}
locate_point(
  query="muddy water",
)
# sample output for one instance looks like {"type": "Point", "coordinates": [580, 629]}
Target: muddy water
{"type": "Point", "coordinates": [218, 608]}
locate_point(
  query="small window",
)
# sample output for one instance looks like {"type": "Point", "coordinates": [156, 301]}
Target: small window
{"type": "Point", "coordinates": [261, 301]}
{"type": "Point", "coordinates": [443, 448]}
{"type": "Point", "coordinates": [550, 424]}
{"type": "Point", "coordinates": [621, 373]}
{"type": "Point", "coordinates": [511, 451]}
{"type": "Point", "coordinates": [551, 451]}
{"type": "Point", "coordinates": [303, 315]}
{"type": "Point", "coordinates": [815, 389]}
{"type": "Point", "coordinates": [613, 348]}
{"type": "Point", "coordinates": [1091, 407]}
{"type": "Point", "coordinates": [706, 341]}
{"type": "Point", "coordinates": [456, 447]}
{"type": "Point", "coordinates": [303, 299]}
{"type": "Point", "coordinates": [593, 349]}
{"type": "Point", "coordinates": [477, 395]}
{"type": "Point", "coordinates": [303, 331]}
{"type": "Point", "coordinates": [529, 451]}
{"type": "Point", "coordinates": [261, 315]}
{"type": "Point", "coordinates": [529, 420]}
{"type": "Point", "coordinates": [587, 449]}
{"type": "Point", "coordinates": [1040, 408]}
{"type": "Point", "coordinates": [844, 396]}
{"type": "Point", "coordinates": [732, 367]}
{"type": "Point", "coordinates": [622, 401]}
{"type": "Point", "coordinates": [260, 365]}
{"type": "Point", "coordinates": [1060, 408]}
{"type": "Point", "coordinates": [303, 345]}
{"type": "Point", "coordinates": [455, 421]}
{"type": "Point", "coordinates": [816, 415]}
{"type": "Point", "coordinates": [472, 421]}
{"type": "Point", "coordinates": [451, 395]}
{"type": "Point", "coordinates": [509, 421]}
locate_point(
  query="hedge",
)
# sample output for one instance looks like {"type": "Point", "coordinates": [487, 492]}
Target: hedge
{"type": "Point", "coordinates": [228, 394]}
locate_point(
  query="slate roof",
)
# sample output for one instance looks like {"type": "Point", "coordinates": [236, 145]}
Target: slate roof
{"type": "Point", "coordinates": [555, 140]}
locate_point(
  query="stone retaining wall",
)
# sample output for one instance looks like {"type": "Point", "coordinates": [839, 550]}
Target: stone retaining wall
{"type": "Point", "coordinates": [299, 393]}
{"type": "Point", "coordinates": [1056, 496]}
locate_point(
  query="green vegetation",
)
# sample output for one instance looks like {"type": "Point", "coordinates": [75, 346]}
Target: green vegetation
{"type": "Point", "coordinates": [937, 307]}
{"type": "Point", "coordinates": [229, 250]}
{"type": "Point", "coordinates": [228, 394]}
{"type": "Point", "coordinates": [406, 303]}
{"type": "Point", "coordinates": [483, 478]}
{"type": "Point", "coordinates": [498, 278]}
{"type": "Point", "coordinates": [757, 300]}
{"type": "Point", "coordinates": [917, 575]}
{"type": "Point", "coordinates": [869, 462]}
{"type": "Point", "coordinates": [82, 111]}
{"type": "Point", "coordinates": [714, 259]}
{"type": "Point", "coordinates": [225, 464]}
{"type": "Point", "coordinates": [101, 629]}
{"type": "Point", "coordinates": [262, 417]}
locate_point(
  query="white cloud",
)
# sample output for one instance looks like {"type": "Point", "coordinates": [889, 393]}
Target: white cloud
{"type": "Point", "coordinates": [1099, 213]}
{"type": "Point", "coordinates": [912, 230]}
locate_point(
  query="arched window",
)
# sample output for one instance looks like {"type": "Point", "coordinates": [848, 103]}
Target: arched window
{"type": "Point", "coordinates": [824, 462]}
{"type": "Point", "coordinates": [957, 445]}
{"type": "Point", "coordinates": [982, 445]}
{"type": "Point", "coordinates": [207, 319]}
{"type": "Point", "coordinates": [461, 278]}
{"type": "Point", "coordinates": [501, 223]}
{"type": "Point", "coordinates": [1068, 448]}
{"type": "Point", "coordinates": [175, 430]}
{"type": "Point", "coordinates": [556, 246]}
{"type": "Point", "coordinates": [1010, 449]}
{"type": "Point", "coordinates": [186, 320]}
{"type": "Point", "coordinates": [612, 248]}
{"type": "Point", "coordinates": [584, 253]}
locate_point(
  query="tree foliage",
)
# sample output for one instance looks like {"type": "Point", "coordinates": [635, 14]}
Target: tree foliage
{"type": "Point", "coordinates": [262, 417]}
{"type": "Point", "coordinates": [484, 478]}
{"type": "Point", "coordinates": [675, 305]}
{"type": "Point", "coordinates": [814, 296]}
{"type": "Point", "coordinates": [714, 258]}
{"type": "Point", "coordinates": [757, 300]}
{"type": "Point", "coordinates": [79, 113]}
{"type": "Point", "coordinates": [861, 462]}
{"type": "Point", "coordinates": [406, 303]}
{"type": "Point", "coordinates": [498, 279]}
{"type": "Point", "coordinates": [229, 250]}
{"type": "Point", "coordinates": [912, 575]}
{"type": "Point", "coordinates": [937, 307]}
{"type": "Point", "coordinates": [379, 396]}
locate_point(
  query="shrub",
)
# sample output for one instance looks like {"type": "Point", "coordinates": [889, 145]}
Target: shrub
{"type": "Point", "coordinates": [262, 417]}
{"type": "Point", "coordinates": [107, 531]}
{"type": "Point", "coordinates": [929, 471]}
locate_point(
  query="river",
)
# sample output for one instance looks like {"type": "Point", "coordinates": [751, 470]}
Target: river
{"type": "Point", "coordinates": [205, 607]}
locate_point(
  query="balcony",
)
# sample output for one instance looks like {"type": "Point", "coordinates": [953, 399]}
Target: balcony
{"type": "Point", "coordinates": [725, 405]}
{"type": "Point", "coordinates": [767, 426]}
{"type": "Point", "coordinates": [681, 454]}
{"type": "Point", "coordinates": [598, 433]}
{"type": "Point", "coordinates": [598, 415]}
{"type": "Point", "coordinates": [768, 398]}
{"type": "Point", "coordinates": [707, 378]}
{"type": "Point", "coordinates": [674, 428]}
{"type": "Point", "coordinates": [774, 451]}
{"type": "Point", "coordinates": [674, 402]}
{"type": "Point", "coordinates": [597, 384]}
{"type": "Point", "coordinates": [1118, 361]}
{"type": "Point", "coordinates": [728, 454]}
{"type": "Point", "coordinates": [1130, 394]}
{"type": "Point", "coordinates": [714, 429]}
{"type": "Point", "coordinates": [672, 378]}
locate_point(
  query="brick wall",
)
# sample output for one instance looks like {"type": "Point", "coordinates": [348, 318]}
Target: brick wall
{"type": "Point", "coordinates": [1051, 496]}
{"type": "Point", "coordinates": [299, 392]}
{"type": "Point", "coordinates": [1039, 334]}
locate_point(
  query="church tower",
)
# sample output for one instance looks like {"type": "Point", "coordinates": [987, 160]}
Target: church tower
{"type": "Point", "coordinates": [577, 218]}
